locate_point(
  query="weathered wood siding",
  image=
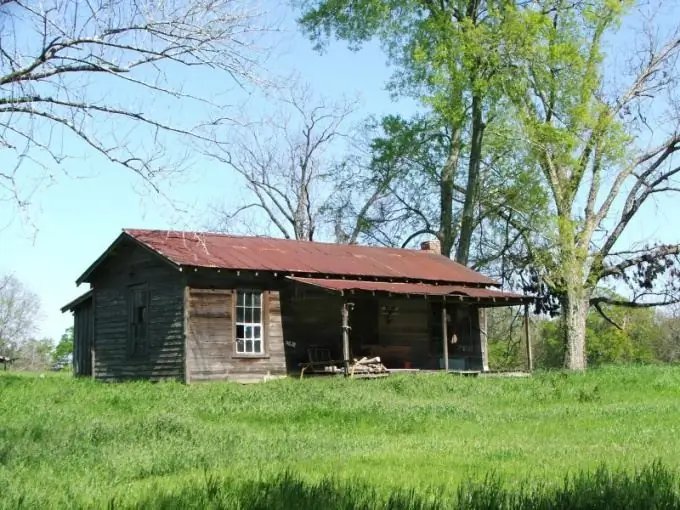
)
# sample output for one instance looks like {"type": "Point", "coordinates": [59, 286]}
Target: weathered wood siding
{"type": "Point", "coordinates": [209, 334]}
{"type": "Point", "coordinates": [211, 350]}
{"type": "Point", "coordinates": [83, 333]}
{"type": "Point", "coordinates": [163, 356]}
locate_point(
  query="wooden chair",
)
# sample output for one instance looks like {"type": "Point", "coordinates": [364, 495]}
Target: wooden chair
{"type": "Point", "coordinates": [320, 362]}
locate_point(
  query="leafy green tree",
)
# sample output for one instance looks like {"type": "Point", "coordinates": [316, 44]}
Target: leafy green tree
{"type": "Point", "coordinates": [614, 335]}
{"type": "Point", "coordinates": [448, 56]}
{"type": "Point", "coordinates": [506, 338]}
{"type": "Point", "coordinates": [541, 68]}
{"type": "Point", "coordinates": [589, 140]}
{"type": "Point", "coordinates": [667, 343]}
{"type": "Point", "coordinates": [65, 346]}
{"type": "Point", "coordinates": [548, 345]}
{"type": "Point", "coordinates": [406, 162]}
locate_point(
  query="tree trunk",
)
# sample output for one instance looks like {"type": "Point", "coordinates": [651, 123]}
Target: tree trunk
{"type": "Point", "coordinates": [447, 231]}
{"type": "Point", "coordinates": [467, 224]}
{"type": "Point", "coordinates": [574, 314]}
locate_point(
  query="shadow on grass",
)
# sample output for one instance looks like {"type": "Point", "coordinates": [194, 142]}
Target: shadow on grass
{"type": "Point", "coordinates": [653, 487]}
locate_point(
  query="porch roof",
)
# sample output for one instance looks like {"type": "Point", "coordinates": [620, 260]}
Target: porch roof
{"type": "Point", "coordinates": [486, 297]}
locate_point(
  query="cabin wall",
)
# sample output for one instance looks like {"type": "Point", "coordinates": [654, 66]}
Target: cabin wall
{"type": "Point", "coordinates": [211, 348]}
{"type": "Point", "coordinates": [83, 333]}
{"type": "Point", "coordinates": [162, 356]}
{"type": "Point", "coordinates": [192, 328]}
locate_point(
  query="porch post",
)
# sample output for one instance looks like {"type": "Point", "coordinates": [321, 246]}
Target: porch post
{"type": "Point", "coordinates": [345, 337]}
{"type": "Point", "coordinates": [445, 335]}
{"type": "Point", "coordinates": [483, 338]}
{"type": "Point", "coordinates": [530, 361]}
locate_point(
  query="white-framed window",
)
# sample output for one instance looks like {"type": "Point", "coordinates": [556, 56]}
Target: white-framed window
{"type": "Point", "coordinates": [249, 328]}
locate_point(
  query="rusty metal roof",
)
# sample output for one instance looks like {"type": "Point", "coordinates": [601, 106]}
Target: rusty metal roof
{"type": "Point", "coordinates": [289, 256]}
{"type": "Point", "coordinates": [467, 293]}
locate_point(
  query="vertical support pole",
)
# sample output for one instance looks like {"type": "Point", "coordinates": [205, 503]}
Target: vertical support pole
{"type": "Point", "coordinates": [93, 338]}
{"type": "Point", "coordinates": [530, 361]}
{"type": "Point", "coordinates": [483, 338]}
{"type": "Point", "coordinates": [187, 333]}
{"type": "Point", "coordinates": [445, 335]}
{"type": "Point", "coordinates": [345, 337]}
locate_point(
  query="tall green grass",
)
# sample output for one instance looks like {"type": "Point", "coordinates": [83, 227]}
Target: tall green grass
{"type": "Point", "coordinates": [398, 442]}
{"type": "Point", "coordinates": [653, 487]}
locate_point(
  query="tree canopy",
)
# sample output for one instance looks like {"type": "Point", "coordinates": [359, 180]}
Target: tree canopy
{"type": "Point", "coordinates": [525, 89]}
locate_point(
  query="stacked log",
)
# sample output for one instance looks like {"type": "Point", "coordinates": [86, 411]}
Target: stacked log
{"type": "Point", "coordinates": [369, 367]}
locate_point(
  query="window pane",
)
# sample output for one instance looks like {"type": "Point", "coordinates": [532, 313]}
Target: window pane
{"type": "Point", "coordinates": [240, 298]}
{"type": "Point", "coordinates": [258, 346]}
{"type": "Point", "coordinates": [257, 315]}
{"type": "Point", "coordinates": [249, 298]}
{"type": "Point", "coordinates": [240, 347]}
{"type": "Point", "coordinates": [249, 332]}
{"type": "Point", "coordinates": [257, 332]}
{"type": "Point", "coordinates": [249, 315]}
{"type": "Point", "coordinates": [249, 346]}
{"type": "Point", "coordinates": [239, 314]}
{"type": "Point", "coordinates": [257, 301]}
{"type": "Point", "coordinates": [239, 332]}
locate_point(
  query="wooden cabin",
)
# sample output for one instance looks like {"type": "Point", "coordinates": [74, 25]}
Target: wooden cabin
{"type": "Point", "coordinates": [199, 306]}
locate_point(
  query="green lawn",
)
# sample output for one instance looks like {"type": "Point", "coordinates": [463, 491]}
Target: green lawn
{"type": "Point", "coordinates": [78, 443]}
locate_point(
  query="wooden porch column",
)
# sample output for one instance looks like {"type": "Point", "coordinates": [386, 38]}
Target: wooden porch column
{"type": "Point", "coordinates": [345, 337]}
{"type": "Point", "coordinates": [483, 338]}
{"type": "Point", "coordinates": [445, 335]}
{"type": "Point", "coordinates": [530, 361]}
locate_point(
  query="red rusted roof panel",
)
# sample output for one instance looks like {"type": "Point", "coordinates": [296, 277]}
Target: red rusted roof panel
{"type": "Point", "coordinates": [411, 288]}
{"type": "Point", "coordinates": [269, 254]}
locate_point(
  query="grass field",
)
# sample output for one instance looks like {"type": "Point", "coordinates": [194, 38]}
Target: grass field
{"type": "Point", "coordinates": [420, 440]}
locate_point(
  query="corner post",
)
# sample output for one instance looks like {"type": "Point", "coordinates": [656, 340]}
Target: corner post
{"type": "Point", "coordinates": [186, 331]}
{"type": "Point", "coordinates": [345, 337]}
{"type": "Point", "coordinates": [445, 335]}
{"type": "Point", "coordinates": [483, 338]}
{"type": "Point", "coordinates": [530, 361]}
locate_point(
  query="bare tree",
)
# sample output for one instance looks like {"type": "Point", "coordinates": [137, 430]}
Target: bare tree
{"type": "Point", "coordinates": [71, 71]}
{"type": "Point", "coordinates": [286, 161]}
{"type": "Point", "coordinates": [361, 200]}
{"type": "Point", "coordinates": [19, 314]}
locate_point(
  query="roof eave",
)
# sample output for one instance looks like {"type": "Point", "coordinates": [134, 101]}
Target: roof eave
{"type": "Point", "coordinates": [496, 298]}
{"type": "Point", "coordinates": [72, 305]}
{"type": "Point", "coordinates": [123, 235]}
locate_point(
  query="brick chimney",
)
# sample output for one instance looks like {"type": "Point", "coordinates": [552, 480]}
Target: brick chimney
{"type": "Point", "coordinates": [433, 246]}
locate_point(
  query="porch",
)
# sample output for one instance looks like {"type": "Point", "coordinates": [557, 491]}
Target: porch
{"type": "Point", "coordinates": [408, 326]}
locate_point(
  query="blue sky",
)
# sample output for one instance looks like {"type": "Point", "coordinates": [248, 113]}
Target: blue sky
{"type": "Point", "coordinates": [73, 220]}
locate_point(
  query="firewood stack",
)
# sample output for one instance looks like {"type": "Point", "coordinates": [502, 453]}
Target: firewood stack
{"type": "Point", "coordinates": [368, 367]}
